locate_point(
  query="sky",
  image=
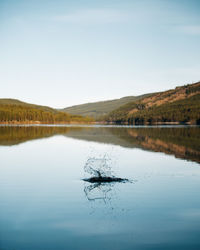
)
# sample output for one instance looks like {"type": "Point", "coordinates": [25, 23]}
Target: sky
{"type": "Point", "coordinates": [62, 53]}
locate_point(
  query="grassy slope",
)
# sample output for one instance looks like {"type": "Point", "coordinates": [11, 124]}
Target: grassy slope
{"type": "Point", "coordinates": [180, 104]}
{"type": "Point", "coordinates": [98, 109]}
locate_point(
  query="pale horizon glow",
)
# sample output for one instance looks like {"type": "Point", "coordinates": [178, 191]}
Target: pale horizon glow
{"type": "Point", "coordinates": [63, 53]}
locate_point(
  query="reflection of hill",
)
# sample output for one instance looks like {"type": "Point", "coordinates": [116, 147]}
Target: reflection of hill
{"type": "Point", "coordinates": [13, 135]}
{"type": "Point", "coordinates": [181, 142]}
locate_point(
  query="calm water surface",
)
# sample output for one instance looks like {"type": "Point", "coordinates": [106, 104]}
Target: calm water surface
{"type": "Point", "coordinates": [45, 204]}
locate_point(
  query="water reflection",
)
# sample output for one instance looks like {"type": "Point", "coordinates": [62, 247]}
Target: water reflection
{"type": "Point", "coordinates": [42, 194]}
{"type": "Point", "coordinates": [98, 191]}
{"type": "Point", "coordinates": [97, 167]}
{"type": "Point", "coordinates": [182, 142]}
{"type": "Point", "coordinates": [102, 179]}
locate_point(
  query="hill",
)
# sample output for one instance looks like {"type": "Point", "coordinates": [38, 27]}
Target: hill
{"type": "Point", "coordinates": [179, 105]}
{"type": "Point", "coordinates": [99, 109]}
{"type": "Point", "coordinates": [15, 111]}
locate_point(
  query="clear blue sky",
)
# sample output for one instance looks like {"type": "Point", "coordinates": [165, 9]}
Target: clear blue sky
{"type": "Point", "coordinates": [61, 52]}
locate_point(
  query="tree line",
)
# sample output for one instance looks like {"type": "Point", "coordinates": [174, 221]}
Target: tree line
{"type": "Point", "coordinates": [183, 111]}
{"type": "Point", "coordinates": [20, 113]}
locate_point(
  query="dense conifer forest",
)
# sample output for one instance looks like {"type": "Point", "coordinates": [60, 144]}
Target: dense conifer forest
{"type": "Point", "coordinates": [14, 111]}
{"type": "Point", "coordinates": [181, 105]}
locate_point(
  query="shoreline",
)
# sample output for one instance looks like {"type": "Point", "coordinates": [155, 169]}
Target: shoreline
{"type": "Point", "coordinates": [100, 124]}
{"type": "Point", "coordinates": [41, 123]}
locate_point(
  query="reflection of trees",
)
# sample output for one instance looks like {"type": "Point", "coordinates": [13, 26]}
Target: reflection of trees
{"type": "Point", "coordinates": [182, 142]}
{"type": "Point", "coordinates": [13, 135]}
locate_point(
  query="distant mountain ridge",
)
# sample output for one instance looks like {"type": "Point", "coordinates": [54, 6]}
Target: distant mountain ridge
{"type": "Point", "coordinates": [102, 108]}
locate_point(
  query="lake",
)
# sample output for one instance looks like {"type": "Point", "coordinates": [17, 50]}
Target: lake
{"type": "Point", "coordinates": [45, 204]}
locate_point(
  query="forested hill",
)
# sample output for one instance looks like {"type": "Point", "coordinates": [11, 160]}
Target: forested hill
{"type": "Point", "coordinates": [99, 109]}
{"type": "Point", "coordinates": [15, 111]}
{"type": "Point", "coordinates": [179, 105]}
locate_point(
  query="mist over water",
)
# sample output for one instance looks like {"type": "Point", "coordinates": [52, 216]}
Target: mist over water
{"type": "Point", "coordinates": [45, 204]}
